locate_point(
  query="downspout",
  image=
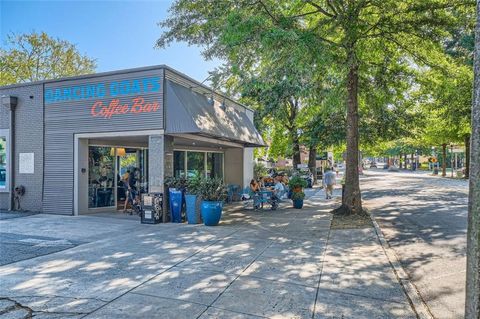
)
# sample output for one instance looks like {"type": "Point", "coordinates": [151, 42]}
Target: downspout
{"type": "Point", "coordinates": [11, 102]}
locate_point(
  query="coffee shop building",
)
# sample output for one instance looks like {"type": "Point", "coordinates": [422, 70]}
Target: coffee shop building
{"type": "Point", "coordinates": [69, 142]}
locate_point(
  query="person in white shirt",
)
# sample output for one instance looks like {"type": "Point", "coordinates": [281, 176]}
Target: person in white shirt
{"type": "Point", "coordinates": [329, 181]}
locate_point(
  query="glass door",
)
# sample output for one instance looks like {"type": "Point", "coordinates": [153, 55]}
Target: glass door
{"type": "Point", "coordinates": [101, 177]}
{"type": "Point", "coordinates": [132, 164]}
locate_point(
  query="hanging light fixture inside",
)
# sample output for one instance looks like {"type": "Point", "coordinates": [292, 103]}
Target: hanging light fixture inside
{"type": "Point", "coordinates": [120, 151]}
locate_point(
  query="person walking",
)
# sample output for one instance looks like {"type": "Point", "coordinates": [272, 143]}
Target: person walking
{"type": "Point", "coordinates": [329, 181]}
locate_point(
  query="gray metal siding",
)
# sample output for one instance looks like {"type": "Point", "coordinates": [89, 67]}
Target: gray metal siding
{"type": "Point", "coordinates": [174, 77]}
{"type": "Point", "coordinates": [191, 112]}
{"type": "Point", "coordinates": [63, 119]}
{"type": "Point", "coordinates": [27, 138]}
{"type": "Point", "coordinates": [4, 115]}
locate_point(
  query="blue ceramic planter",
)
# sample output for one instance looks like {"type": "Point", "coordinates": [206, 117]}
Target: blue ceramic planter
{"type": "Point", "coordinates": [191, 205]}
{"type": "Point", "coordinates": [176, 198]}
{"type": "Point", "coordinates": [298, 203]}
{"type": "Point", "coordinates": [211, 212]}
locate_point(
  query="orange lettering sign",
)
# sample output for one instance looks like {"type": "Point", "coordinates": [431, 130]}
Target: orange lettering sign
{"type": "Point", "coordinates": [137, 106]}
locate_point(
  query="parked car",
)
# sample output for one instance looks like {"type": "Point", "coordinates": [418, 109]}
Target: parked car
{"type": "Point", "coordinates": [381, 164]}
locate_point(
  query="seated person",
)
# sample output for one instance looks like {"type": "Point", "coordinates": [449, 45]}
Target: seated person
{"type": "Point", "coordinates": [278, 189]}
{"type": "Point", "coordinates": [254, 186]}
{"type": "Point", "coordinates": [284, 181]}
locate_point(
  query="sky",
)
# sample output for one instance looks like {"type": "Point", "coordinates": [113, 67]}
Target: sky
{"type": "Point", "coordinates": [118, 34]}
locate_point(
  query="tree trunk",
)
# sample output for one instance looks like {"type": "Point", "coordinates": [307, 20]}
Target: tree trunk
{"type": "Point", "coordinates": [467, 156]}
{"type": "Point", "coordinates": [444, 159]}
{"type": "Point", "coordinates": [400, 162]}
{"type": "Point", "coordinates": [411, 161]}
{"type": "Point", "coordinates": [296, 149]}
{"type": "Point", "coordinates": [312, 162]}
{"type": "Point", "coordinates": [352, 200]}
{"type": "Point", "coordinates": [472, 305]}
{"type": "Point", "coordinates": [405, 159]}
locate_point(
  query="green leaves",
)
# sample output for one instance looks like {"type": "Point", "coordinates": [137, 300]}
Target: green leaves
{"type": "Point", "coordinates": [36, 56]}
{"type": "Point", "coordinates": [212, 189]}
{"type": "Point", "coordinates": [289, 60]}
{"type": "Point", "coordinates": [297, 181]}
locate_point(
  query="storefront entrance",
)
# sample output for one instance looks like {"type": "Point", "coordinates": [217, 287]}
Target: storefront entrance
{"type": "Point", "coordinates": [109, 170]}
{"type": "Point", "coordinates": [103, 162]}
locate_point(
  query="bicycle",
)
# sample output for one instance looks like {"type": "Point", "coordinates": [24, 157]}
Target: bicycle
{"type": "Point", "coordinates": [133, 198]}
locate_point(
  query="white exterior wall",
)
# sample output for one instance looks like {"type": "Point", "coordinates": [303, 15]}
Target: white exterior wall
{"type": "Point", "coordinates": [233, 166]}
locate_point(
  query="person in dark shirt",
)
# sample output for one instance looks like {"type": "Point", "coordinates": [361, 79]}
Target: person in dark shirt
{"type": "Point", "coordinates": [132, 180]}
{"type": "Point", "coordinates": [132, 189]}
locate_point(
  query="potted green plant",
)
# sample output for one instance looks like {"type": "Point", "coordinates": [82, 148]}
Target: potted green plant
{"type": "Point", "coordinates": [193, 199]}
{"type": "Point", "coordinates": [297, 184]}
{"type": "Point", "coordinates": [213, 192]}
{"type": "Point", "coordinates": [297, 199]}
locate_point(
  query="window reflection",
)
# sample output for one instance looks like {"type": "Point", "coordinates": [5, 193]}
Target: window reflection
{"type": "Point", "coordinates": [209, 164]}
{"type": "Point", "coordinates": [195, 164]}
{"type": "Point", "coordinates": [215, 165]}
{"type": "Point", "coordinates": [3, 162]}
{"type": "Point", "coordinates": [179, 164]}
{"type": "Point", "coordinates": [101, 177]}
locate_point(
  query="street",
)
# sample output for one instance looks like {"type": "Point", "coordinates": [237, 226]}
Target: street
{"type": "Point", "coordinates": [424, 219]}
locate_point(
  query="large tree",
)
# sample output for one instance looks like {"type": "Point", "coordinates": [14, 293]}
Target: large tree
{"type": "Point", "coordinates": [37, 56]}
{"type": "Point", "coordinates": [281, 88]}
{"type": "Point", "coordinates": [357, 37]}
{"type": "Point", "coordinates": [472, 305]}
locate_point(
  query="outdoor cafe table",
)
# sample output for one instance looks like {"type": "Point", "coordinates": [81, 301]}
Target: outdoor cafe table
{"type": "Point", "coordinates": [264, 196]}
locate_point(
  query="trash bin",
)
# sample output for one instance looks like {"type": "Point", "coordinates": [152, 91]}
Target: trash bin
{"type": "Point", "coordinates": [152, 208]}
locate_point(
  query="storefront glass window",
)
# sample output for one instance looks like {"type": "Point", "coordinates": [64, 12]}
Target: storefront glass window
{"type": "Point", "coordinates": [195, 164]}
{"type": "Point", "coordinates": [179, 163]}
{"type": "Point", "coordinates": [101, 177]}
{"type": "Point", "coordinates": [215, 165]}
{"type": "Point", "coordinates": [3, 163]}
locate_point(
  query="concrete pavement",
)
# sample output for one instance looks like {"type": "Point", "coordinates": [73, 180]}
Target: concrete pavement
{"type": "Point", "coordinates": [270, 264]}
{"type": "Point", "coordinates": [424, 219]}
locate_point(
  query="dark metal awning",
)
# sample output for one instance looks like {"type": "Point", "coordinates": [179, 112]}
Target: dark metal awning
{"type": "Point", "coordinates": [190, 112]}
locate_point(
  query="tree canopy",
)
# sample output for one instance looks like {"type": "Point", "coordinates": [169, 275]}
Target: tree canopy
{"type": "Point", "coordinates": [363, 53]}
{"type": "Point", "coordinates": [37, 56]}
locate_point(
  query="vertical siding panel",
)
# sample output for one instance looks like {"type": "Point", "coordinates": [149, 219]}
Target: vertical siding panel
{"type": "Point", "coordinates": [64, 119]}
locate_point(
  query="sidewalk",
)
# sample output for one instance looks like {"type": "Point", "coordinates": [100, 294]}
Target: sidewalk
{"type": "Point", "coordinates": [357, 280]}
{"type": "Point", "coordinates": [271, 264]}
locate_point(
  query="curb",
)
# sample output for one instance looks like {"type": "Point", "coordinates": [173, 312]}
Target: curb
{"type": "Point", "coordinates": [416, 301]}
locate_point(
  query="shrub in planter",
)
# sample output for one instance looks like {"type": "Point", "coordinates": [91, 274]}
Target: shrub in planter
{"type": "Point", "coordinates": [193, 199]}
{"type": "Point", "coordinates": [213, 193]}
{"type": "Point", "coordinates": [297, 183]}
{"type": "Point", "coordinates": [297, 199]}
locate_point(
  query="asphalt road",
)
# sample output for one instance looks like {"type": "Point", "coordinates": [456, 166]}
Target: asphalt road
{"type": "Point", "coordinates": [424, 219]}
